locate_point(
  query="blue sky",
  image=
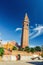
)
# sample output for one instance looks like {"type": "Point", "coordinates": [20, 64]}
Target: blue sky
{"type": "Point", "coordinates": [12, 14]}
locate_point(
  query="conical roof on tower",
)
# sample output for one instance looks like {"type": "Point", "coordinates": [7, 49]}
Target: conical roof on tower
{"type": "Point", "coordinates": [26, 17]}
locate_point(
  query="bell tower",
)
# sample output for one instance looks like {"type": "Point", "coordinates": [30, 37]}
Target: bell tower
{"type": "Point", "coordinates": [25, 32]}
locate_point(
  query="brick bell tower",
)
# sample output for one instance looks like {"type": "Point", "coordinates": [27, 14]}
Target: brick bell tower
{"type": "Point", "coordinates": [25, 32]}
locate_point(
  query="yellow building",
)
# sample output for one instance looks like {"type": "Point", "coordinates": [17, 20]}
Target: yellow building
{"type": "Point", "coordinates": [9, 45]}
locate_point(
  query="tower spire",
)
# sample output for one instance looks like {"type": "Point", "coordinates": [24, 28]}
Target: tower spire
{"type": "Point", "coordinates": [26, 17]}
{"type": "Point", "coordinates": [25, 32]}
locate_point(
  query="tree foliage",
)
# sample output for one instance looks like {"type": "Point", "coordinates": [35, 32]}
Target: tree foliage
{"type": "Point", "coordinates": [32, 50]}
{"type": "Point", "coordinates": [21, 49]}
{"type": "Point", "coordinates": [27, 49]}
{"type": "Point", "coordinates": [14, 48]}
{"type": "Point", "coordinates": [37, 48]}
{"type": "Point", "coordinates": [1, 51]}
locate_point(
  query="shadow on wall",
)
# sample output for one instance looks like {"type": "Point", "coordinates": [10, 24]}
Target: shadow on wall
{"type": "Point", "coordinates": [36, 63]}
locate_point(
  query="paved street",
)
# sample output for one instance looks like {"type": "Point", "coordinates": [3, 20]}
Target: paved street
{"type": "Point", "coordinates": [22, 63]}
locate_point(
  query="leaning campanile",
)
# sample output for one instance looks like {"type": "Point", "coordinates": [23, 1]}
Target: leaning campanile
{"type": "Point", "coordinates": [25, 32]}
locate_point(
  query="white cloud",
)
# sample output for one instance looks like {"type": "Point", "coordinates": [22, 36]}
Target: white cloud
{"type": "Point", "coordinates": [36, 25]}
{"type": "Point", "coordinates": [31, 26]}
{"type": "Point", "coordinates": [38, 30]}
{"type": "Point", "coordinates": [32, 45]}
{"type": "Point", "coordinates": [31, 34]}
{"type": "Point", "coordinates": [4, 42]}
{"type": "Point", "coordinates": [18, 29]}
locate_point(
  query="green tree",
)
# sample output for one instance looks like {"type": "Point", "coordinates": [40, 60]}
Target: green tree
{"type": "Point", "coordinates": [27, 49]}
{"type": "Point", "coordinates": [37, 48]}
{"type": "Point", "coordinates": [14, 48]}
{"type": "Point", "coordinates": [21, 49]}
{"type": "Point", "coordinates": [32, 50]}
{"type": "Point", "coordinates": [1, 51]}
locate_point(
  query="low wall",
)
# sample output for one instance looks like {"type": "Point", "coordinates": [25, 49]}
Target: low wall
{"type": "Point", "coordinates": [9, 58]}
{"type": "Point", "coordinates": [26, 57]}
{"type": "Point", "coordinates": [14, 58]}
